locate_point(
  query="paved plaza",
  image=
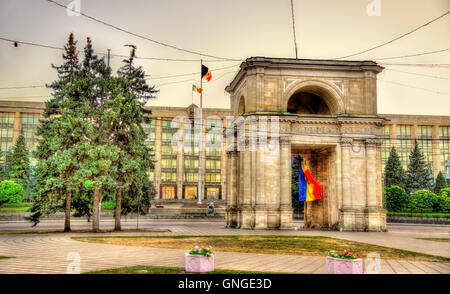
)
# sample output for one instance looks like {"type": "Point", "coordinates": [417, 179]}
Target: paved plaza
{"type": "Point", "coordinates": [47, 253]}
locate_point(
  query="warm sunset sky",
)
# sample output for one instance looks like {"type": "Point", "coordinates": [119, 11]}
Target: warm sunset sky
{"type": "Point", "coordinates": [234, 29]}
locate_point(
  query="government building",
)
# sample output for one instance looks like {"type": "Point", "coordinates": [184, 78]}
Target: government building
{"type": "Point", "coordinates": [326, 112]}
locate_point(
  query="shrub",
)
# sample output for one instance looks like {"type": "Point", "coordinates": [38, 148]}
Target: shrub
{"type": "Point", "coordinates": [423, 200]}
{"type": "Point", "coordinates": [10, 192]}
{"type": "Point", "coordinates": [445, 192]}
{"type": "Point", "coordinates": [396, 198]}
{"type": "Point", "coordinates": [109, 205]}
{"type": "Point", "coordinates": [443, 203]}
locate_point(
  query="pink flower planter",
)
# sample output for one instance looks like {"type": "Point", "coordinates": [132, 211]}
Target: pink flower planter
{"type": "Point", "coordinates": [344, 266]}
{"type": "Point", "coordinates": [198, 263]}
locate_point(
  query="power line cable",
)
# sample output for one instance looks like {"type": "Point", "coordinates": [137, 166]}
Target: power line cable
{"type": "Point", "coordinates": [141, 36]}
{"type": "Point", "coordinates": [418, 74]}
{"type": "Point", "coordinates": [120, 55]}
{"type": "Point", "coordinates": [397, 38]}
{"type": "Point", "coordinates": [413, 55]}
{"type": "Point", "coordinates": [413, 87]}
{"type": "Point", "coordinates": [444, 65]}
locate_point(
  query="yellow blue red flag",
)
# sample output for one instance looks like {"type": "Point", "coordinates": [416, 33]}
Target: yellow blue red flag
{"type": "Point", "coordinates": [196, 89]}
{"type": "Point", "coordinates": [308, 188]}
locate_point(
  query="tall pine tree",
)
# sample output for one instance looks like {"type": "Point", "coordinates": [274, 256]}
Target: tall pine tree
{"type": "Point", "coordinates": [125, 116]}
{"type": "Point", "coordinates": [19, 164]}
{"type": "Point", "coordinates": [417, 175]}
{"type": "Point", "coordinates": [394, 174]}
{"type": "Point", "coordinates": [58, 132]}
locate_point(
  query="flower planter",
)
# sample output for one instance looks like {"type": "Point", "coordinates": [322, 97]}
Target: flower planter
{"type": "Point", "coordinates": [344, 266]}
{"type": "Point", "coordinates": [198, 263]}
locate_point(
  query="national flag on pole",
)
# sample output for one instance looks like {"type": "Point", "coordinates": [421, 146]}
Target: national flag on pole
{"type": "Point", "coordinates": [196, 89]}
{"type": "Point", "coordinates": [308, 188]}
{"type": "Point", "coordinates": [206, 73]}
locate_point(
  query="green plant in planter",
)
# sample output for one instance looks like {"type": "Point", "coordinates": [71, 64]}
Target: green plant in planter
{"type": "Point", "coordinates": [343, 254]}
{"type": "Point", "coordinates": [201, 251]}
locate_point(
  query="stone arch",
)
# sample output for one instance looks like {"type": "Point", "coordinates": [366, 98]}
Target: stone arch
{"type": "Point", "coordinates": [241, 107]}
{"type": "Point", "coordinates": [326, 91]}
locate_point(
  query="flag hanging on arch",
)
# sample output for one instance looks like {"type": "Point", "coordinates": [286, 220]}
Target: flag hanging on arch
{"type": "Point", "coordinates": [308, 188]}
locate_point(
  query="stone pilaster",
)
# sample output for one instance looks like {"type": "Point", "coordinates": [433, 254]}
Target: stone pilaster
{"type": "Point", "coordinates": [373, 209]}
{"type": "Point", "coordinates": [260, 205]}
{"type": "Point", "coordinates": [436, 151]}
{"type": "Point", "coordinates": [17, 127]}
{"type": "Point", "coordinates": [158, 150]}
{"type": "Point", "coordinates": [245, 208]}
{"type": "Point", "coordinates": [348, 212]}
{"type": "Point", "coordinates": [180, 160]}
{"type": "Point", "coordinates": [223, 166]}
{"type": "Point", "coordinates": [285, 183]}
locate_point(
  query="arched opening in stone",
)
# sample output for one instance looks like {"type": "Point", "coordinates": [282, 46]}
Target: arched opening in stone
{"type": "Point", "coordinates": [241, 106]}
{"type": "Point", "coordinates": [307, 103]}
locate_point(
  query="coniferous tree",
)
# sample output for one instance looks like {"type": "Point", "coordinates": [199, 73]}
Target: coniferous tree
{"type": "Point", "coordinates": [19, 164]}
{"type": "Point", "coordinates": [125, 116]}
{"type": "Point", "coordinates": [441, 183]}
{"type": "Point", "coordinates": [417, 175]}
{"type": "Point", "coordinates": [430, 182]}
{"type": "Point", "coordinates": [59, 133]}
{"type": "Point", "coordinates": [394, 174]}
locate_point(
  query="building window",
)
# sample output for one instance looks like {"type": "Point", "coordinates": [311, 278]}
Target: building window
{"type": "Point", "coordinates": [149, 129]}
{"type": "Point", "coordinates": [191, 177]}
{"type": "Point", "coordinates": [212, 177]}
{"type": "Point", "coordinates": [425, 142]}
{"type": "Point", "coordinates": [168, 192]}
{"type": "Point", "coordinates": [213, 192]}
{"type": "Point", "coordinates": [168, 176]}
{"type": "Point", "coordinates": [30, 122]}
{"type": "Point", "coordinates": [6, 135]}
{"type": "Point", "coordinates": [404, 145]}
{"type": "Point", "coordinates": [190, 192]}
{"type": "Point", "coordinates": [444, 148]}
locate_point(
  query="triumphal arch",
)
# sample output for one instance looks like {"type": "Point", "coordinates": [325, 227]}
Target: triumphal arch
{"type": "Point", "coordinates": [326, 112]}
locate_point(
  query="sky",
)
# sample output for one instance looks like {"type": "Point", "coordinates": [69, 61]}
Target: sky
{"type": "Point", "coordinates": [235, 29]}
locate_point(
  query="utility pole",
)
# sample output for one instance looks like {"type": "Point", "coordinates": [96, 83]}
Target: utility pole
{"type": "Point", "coordinates": [293, 28]}
{"type": "Point", "coordinates": [109, 57]}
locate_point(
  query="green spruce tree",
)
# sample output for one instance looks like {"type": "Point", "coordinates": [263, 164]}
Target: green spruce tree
{"type": "Point", "coordinates": [394, 174]}
{"type": "Point", "coordinates": [19, 164]}
{"type": "Point", "coordinates": [58, 132]}
{"type": "Point", "coordinates": [417, 174]}
{"type": "Point", "coordinates": [441, 183]}
{"type": "Point", "coordinates": [125, 116]}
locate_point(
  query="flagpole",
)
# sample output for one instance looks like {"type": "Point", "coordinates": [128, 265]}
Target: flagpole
{"type": "Point", "coordinates": [199, 191]}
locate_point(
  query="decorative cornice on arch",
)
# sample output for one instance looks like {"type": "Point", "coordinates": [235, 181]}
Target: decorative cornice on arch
{"type": "Point", "coordinates": [333, 99]}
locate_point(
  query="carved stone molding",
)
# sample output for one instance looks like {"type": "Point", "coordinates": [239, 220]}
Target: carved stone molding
{"type": "Point", "coordinates": [372, 143]}
{"type": "Point", "coordinates": [285, 141]}
{"type": "Point", "coordinates": [346, 142]}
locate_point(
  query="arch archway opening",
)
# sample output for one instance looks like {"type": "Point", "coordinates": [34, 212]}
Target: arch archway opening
{"type": "Point", "coordinates": [306, 102]}
{"type": "Point", "coordinates": [241, 106]}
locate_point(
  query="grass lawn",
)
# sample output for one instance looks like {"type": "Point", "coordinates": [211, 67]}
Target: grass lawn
{"type": "Point", "coordinates": [15, 208]}
{"type": "Point", "coordinates": [290, 245]}
{"type": "Point", "coordinates": [436, 239]}
{"type": "Point", "coordinates": [52, 231]}
{"type": "Point", "coordinates": [164, 270]}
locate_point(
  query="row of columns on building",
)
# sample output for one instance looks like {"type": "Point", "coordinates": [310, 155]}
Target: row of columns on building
{"type": "Point", "coordinates": [435, 143]}
{"type": "Point", "coordinates": [180, 179]}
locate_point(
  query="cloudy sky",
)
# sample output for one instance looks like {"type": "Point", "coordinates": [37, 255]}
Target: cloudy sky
{"type": "Point", "coordinates": [233, 29]}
